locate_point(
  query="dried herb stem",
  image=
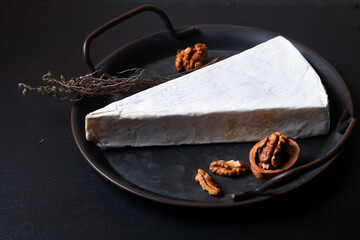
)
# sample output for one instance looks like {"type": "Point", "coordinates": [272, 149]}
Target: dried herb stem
{"type": "Point", "coordinates": [101, 83]}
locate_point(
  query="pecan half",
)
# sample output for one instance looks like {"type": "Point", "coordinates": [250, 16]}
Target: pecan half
{"type": "Point", "coordinates": [272, 153]}
{"type": "Point", "coordinates": [205, 182]}
{"type": "Point", "coordinates": [229, 168]}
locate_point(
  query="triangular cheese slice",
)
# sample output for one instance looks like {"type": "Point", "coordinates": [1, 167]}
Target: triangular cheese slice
{"type": "Point", "coordinates": [265, 89]}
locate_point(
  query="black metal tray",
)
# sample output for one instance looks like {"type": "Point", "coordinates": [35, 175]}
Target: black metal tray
{"type": "Point", "coordinates": [166, 174]}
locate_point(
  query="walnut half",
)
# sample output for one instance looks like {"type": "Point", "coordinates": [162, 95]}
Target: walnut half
{"type": "Point", "coordinates": [205, 182]}
{"type": "Point", "coordinates": [229, 168]}
{"type": "Point", "coordinates": [272, 153]}
{"type": "Point", "coordinates": [191, 57]}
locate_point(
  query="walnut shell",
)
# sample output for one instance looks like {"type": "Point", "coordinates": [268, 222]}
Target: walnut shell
{"type": "Point", "coordinates": [293, 152]}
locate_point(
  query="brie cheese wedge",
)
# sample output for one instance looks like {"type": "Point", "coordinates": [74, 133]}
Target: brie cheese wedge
{"type": "Point", "coordinates": [246, 97]}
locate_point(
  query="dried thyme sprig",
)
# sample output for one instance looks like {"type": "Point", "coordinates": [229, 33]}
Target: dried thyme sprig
{"type": "Point", "coordinates": [101, 83]}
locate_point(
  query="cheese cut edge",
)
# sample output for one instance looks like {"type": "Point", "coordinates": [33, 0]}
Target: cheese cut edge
{"type": "Point", "coordinates": [216, 127]}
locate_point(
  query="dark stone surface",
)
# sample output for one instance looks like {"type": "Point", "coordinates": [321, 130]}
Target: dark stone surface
{"type": "Point", "coordinates": [48, 191]}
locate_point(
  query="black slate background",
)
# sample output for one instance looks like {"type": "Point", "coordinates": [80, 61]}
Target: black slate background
{"type": "Point", "coordinates": [48, 191]}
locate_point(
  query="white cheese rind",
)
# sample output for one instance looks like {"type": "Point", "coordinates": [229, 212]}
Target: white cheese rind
{"type": "Point", "coordinates": [246, 97]}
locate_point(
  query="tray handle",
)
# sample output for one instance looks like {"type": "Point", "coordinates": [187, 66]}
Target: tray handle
{"type": "Point", "coordinates": [344, 127]}
{"type": "Point", "coordinates": [123, 17]}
